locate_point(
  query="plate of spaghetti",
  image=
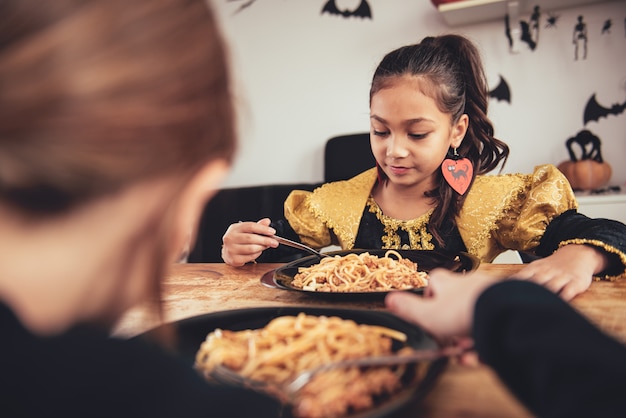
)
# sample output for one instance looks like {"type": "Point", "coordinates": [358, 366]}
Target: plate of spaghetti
{"type": "Point", "coordinates": [366, 272]}
{"type": "Point", "coordinates": [275, 344]}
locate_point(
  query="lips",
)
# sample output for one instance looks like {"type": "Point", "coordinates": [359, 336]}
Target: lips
{"type": "Point", "coordinates": [397, 170]}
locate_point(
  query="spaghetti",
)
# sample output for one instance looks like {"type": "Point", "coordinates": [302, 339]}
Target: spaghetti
{"type": "Point", "coordinates": [289, 345]}
{"type": "Point", "coordinates": [361, 273]}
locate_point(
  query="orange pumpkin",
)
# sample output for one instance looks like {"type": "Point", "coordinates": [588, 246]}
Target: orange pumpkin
{"type": "Point", "coordinates": [586, 174]}
{"type": "Point", "coordinates": [587, 171]}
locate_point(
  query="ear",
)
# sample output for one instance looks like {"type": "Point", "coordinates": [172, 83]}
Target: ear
{"type": "Point", "coordinates": [191, 203]}
{"type": "Point", "coordinates": [458, 131]}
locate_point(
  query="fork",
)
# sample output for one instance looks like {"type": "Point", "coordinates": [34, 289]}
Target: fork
{"type": "Point", "coordinates": [286, 392]}
{"type": "Point", "coordinates": [295, 244]}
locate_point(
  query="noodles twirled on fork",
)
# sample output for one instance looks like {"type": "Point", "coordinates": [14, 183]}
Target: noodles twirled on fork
{"type": "Point", "coordinates": [289, 345]}
{"type": "Point", "coordinates": [361, 273]}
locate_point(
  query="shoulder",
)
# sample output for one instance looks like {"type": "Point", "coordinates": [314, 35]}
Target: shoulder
{"type": "Point", "coordinates": [544, 178]}
{"type": "Point", "coordinates": [359, 184]}
{"type": "Point", "coordinates": [341, 197]}
{"type": "Point", "coordinates": [333, 201]}
{"type": "Point", "coordinates": [356, 185]}
{"type": "Point", "coordinates": [338, 205]}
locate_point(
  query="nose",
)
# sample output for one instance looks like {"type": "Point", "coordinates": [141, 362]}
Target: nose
{"type": "Point", "coordinates": [396, 147]}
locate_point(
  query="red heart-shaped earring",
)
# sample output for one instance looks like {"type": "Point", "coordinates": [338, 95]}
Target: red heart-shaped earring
{"type": "Point", "coordinates": [457, 172]}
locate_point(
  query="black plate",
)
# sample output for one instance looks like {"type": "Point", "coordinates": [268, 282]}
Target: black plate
{"type": "Point", "coordinates": [191, 332]}
{"type": "Point", "coordinates": [426, 260]}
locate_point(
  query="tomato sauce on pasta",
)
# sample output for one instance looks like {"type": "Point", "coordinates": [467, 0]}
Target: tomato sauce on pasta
{"type": "Point", "coordinates": [363, 272]}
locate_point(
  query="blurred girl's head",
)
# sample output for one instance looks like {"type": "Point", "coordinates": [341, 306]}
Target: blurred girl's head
{"type": "Point", "coordinates": [99, 94]}
{"type": "Point", "coordinates": [99, 101]}
{"type": "Point", "coordinates": [448, 70]}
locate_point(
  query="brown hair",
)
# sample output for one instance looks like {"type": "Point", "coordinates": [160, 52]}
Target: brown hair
{"type": "Point", "coordinates": [98, 94]}
{"type": "Point", "coordinates": [452, 66]}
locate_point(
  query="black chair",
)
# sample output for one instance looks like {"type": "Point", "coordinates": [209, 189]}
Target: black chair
{"type": "Point", "coordinates": [235, 204]}
{"type": "Point", "coordinates": [346, 156]}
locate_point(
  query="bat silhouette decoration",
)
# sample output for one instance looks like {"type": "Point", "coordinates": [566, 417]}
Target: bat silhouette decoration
{"type": "Point", "coordinates": [594, 111]}
{"type": "Point", "coordinates": [502, 91]}
{"type": "Point", "coordinates": [526, 36]}
{"type": "Point", "coordinates": [362, 11]}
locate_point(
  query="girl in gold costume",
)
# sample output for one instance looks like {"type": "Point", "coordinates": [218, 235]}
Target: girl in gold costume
{"type": "Point", "coordinates": [434, 146]}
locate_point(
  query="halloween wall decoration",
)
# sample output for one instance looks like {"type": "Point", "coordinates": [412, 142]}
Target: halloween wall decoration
{"type": "Point", "coordinates": [589, 171]}
{"type": "Point", "coordinates": [507, 31]}
{"type": "Point", "coordinates": [501, 91]}
{"type": "Point", "coordinates": [363, 10]}
{"type": "Point", "coordinates": [246, 4]}
{"type": "Point", "coordinates": [527, 35]}
{"type": "Point", "coordinates": [551, 20]}
{"type": "Point", "coordinates": [529, 30]}
{"type": "Point", "coordinates": [580, 37]}
{"type": "Point", "coordinates": [534, 23]}
{"type": "Point", "coordinates": [594, 111]}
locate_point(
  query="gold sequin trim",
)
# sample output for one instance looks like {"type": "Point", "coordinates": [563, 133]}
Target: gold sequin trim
{"type": "Point", "coordinates": [419, 237]}
{"type": "Point", "coordinates": [340, 205]}
{"type": "Point", "coordinates": [608, 248]}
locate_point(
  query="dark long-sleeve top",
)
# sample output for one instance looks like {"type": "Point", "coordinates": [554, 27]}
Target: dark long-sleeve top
{"type": "Point", "coordinates": [554, 360]}
{"type": "Point", "coordinates": [85, 373]}
{"type": "Point", "coordinates": [531, 213]}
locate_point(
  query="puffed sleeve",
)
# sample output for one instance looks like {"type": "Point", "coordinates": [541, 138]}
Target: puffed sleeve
{"type": "Point", "coordinates": [540, 198]}
{"type": "Point", "coordinates": [545, 218]}
{"type": "Point", "coordinates": [311, 230]}
{"type": "Point", "coordinates": [512, 211]}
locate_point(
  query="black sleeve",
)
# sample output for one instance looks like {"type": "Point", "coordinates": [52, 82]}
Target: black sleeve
{"type": "Point", "coordinates": [554, 360]}
{"type": "Point", "coordinates": [572, 225]}
{"type": "Point", "coordinates": [84, 373]}
{"type": "Point", "coordinates": [168, 387]}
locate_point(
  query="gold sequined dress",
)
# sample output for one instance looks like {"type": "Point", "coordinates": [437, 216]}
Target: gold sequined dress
{"type": "Point", "coordinates": [532, 213]}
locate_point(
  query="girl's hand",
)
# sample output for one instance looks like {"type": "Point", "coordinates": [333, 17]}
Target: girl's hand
{"type": "Point", "coordinates": [245, 241]}
{"type": "Point", "coordinates": [568, 271]}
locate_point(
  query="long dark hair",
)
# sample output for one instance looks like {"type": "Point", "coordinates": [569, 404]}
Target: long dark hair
{"type": "Point", "coordinates": [453, 67]}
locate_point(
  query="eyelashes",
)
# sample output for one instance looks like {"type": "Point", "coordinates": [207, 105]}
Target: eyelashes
{"type": "Point", "coordinates": [412, 136]}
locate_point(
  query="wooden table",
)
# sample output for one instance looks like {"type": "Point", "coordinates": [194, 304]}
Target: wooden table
{"type": "Point", "coordinates": [193, 289]}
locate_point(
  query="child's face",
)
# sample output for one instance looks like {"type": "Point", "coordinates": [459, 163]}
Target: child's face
{"type": "Point", "coordinates": [410, 136]}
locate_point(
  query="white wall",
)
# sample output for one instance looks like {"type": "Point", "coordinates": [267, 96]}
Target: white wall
{"type": "Point", "coordinates": [302, 77]}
